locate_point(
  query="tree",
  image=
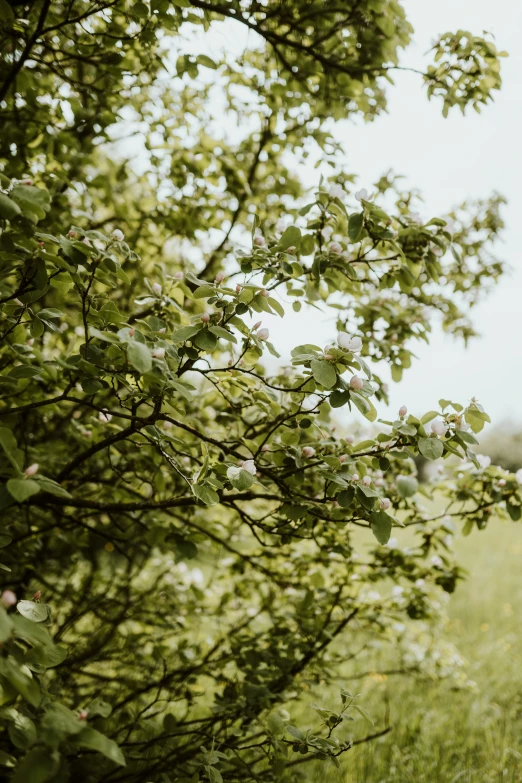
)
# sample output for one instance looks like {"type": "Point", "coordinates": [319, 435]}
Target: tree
{"type": "Point", "coordinates": [181, 527]}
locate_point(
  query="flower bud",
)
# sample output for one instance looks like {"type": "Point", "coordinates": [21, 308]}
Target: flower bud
{"type": "Point", "coordinates": [238, 289]}
{"type": "Point", "coordinates": [343, 458]}
{"type": "Point", "coordinates": [259, 241]}
{"type": "Point", "coordinates": [158, 353]}
{"type": "Point", "coordinates": [403, 410]}
{"type": "Point", "coordinates": [379, 482]}
{"type": "Point", "coordinates": [83, 714]}
{"type": "Point", "coordinates": [178, 275]}
{"type": "Point", "coordinates": [32, 469]}
{"type": "Point", "coordinates": [257, 325]}
{"type": "Point", "coordinates": [335, 247]}
{"type": "Point", "coordinates": [361, 195]}
{"type": "Point", "coordinates": [307, 452]}
{"type": "Point", "coordinates": [71, 234]}
{"type": "Point", "coordinates": [349, 439]}
{"type": "Point", "coordinates": [8, 598]}
{"type": "Point", "coordinates": [266, 447]}
{"type": "Point", "coordinates": [219, 277]}
{"type": "Point", "coordinates": [356, 383]}
{"type": "Point", "coordinates": [132, 332]}
{"type": "Point", "coordinates": [355, 477]}
{"type": "Point", "coordinates": [501, 482]}
{"type": "Point", "coordinates": [37, 595]}
{"type": "Point", "coordinates": [162, 331]}
{"type": "Point", "coordinates": [104, 417]}
{"type": "Point", "coordinates": [167, 425]}
{"type": "Point", "coordinates": [518, 475]}
{"type": "Point", "coordinates": [263, 334]}
{"type": "Point", "coordinates": [264, 293]}
{"type": "Point", "coordinates": [366, 481]}
{"type": "Point", "coordinates": [156, 287]}
{"type": "Point", "coordinates": [205, 318]}
{"type": "Point", "coordinates": [385, 503]}
{"type": "Point", "coordinates": [118, 235]}
{"type": "Point", "coordinates": [439, 428]}
{"type": "Point", "coordinates": [329, 357]}
{"type": "Point", "coordinates": [31, 341]}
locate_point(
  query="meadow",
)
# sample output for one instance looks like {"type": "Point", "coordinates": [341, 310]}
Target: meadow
{"type": "Point", "coordinates": [440, 734]}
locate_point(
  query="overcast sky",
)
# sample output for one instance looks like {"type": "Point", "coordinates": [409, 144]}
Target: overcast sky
{"type": "Point", "coordinates": [450, 160]}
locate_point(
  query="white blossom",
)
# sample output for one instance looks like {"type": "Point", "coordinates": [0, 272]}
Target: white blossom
{"type": "Point", "coordinates": [263, 334]}
{"type": "Point", "coordinates": [362, 195]}
{"type": "Point", "coordinates": [518, 475]}
{"type": "Point", "coordinates": [403, 410]}
{"type": "Point", "coordinates": [156, 287]}
{"type": "Point", "coordinates": [437, 561]}
{"type": "Point", "coordinates": [440, 428]}
{"type": "Point", "coordinates": [32, 469]}
{"type": "Point", "coordinates": [259, 241]}
{"type": "Point", "coordinates": [336, 191]}
{"type": "Point", "coordinates": [366, 481]}
{"type": "Point", "coordinates": [308, 451]}
{"type": "Point", "coordinates": [118, 235]}
{"type": "Point", "coordinates": [158, 353]}
{"type": "Point", "coordinates": [8, 598]}
{"type": "Point", "coordinates": [335, 247]}
{"type": "Point", "coordinates": [233, 472]}
{"type": "Point", "coordinates": [356, 382]}
{"type": "Point", "coordinates": [250, 466]}
{"type": "Point", "coordinates": [385, 503]}
{"type": "Point", "coordinates": [483, 461]}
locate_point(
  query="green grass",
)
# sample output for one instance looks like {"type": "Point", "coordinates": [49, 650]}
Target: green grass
{"type": "Point", "coordinates": [440, 735]}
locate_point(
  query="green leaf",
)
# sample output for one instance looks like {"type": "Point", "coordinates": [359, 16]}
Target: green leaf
{"type": "Point", "coordinates": [38, 766]}
{"type": "Point", "coordinates": [205, 340]}
{"type": "Point", "coordinates": [355, 225]}
{"type": "Point", "coordinates": [291, 238]}
{"type": "Point", "coordinates": [37, 613]}
{"type": "Point", "coordinates": [25, 685]}
{"type": "Point", "coordinates": [6, 625]}
{"type": "Point", "coordinates": [407, 486]}
{"type": "Point", "coordinates": [346, 497]}
{"type": "Point", "coordinates": [12, 452]}
{"type": "Point", "coordinates": [93, 740]}
{"type": "Point", "coordinates": [381, 525]}
{"type": "Point", "coordinates": [9, 209]}
{"type": "Point", "coordinates": [431, 448]}
{"type": "Point", "coordinates": [339, 398]}
{"type": "Point", "coordinates": [184, 334]}
{"type": "Point", "coordinates": [243, 481]}
{"type": "Point", "coordinates": [21, 489]}
{"type": "Point", "coordinates": [324, 373]}
{"type": "Point", "coordinates": [139, 356]}
{"type": "Point", "coordinates": [206, 494]}
{"type": "Point", "coordinates": [222, 333]}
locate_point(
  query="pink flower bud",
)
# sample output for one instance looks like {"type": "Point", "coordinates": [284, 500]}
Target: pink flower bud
{"type": "Point", "coordinates": [37, 595]}
{"type": "Point", "coordinates": [349, 439]}
{"type": "Point", "coordinates": [329, 357]}
{"type": "Point", "coordinates": [379, 482]}
{"type": "Point", "coordinates": [366, 481]}
{"type": "Point", "coordinates": [356, 383]}
{"type": "Point", "coordinates": [31, 341]}
{"type": "Point", "coordinates": [158, 353]}
{"type": "Point", "coordinates": [385, 504]}
{"type": "Point", "coordinates": [343, 458]}
{"type": "Point", "coordinates": [257, 325]}
{"type": "Point", "coordinates": [403, 410]}
{"type": "Point", "coordinates": [162, 331]}
{"type": "Point", "coordinates": [238, 289]}
{"type": "Point", "coordinates": [8, 598]}
{"type": "Point", "coordinates": [32, 469]}
{"type": "Point", "coordinates": [167, 425]}
{"type": "Point", "coordinates": [263, 334]}
{"type": "Point", "coordinates": [132, 332]}
{"type": "Point", "coordinates": [156, 287]}
{"type": "Point", "coordinates": [266, 447]}
{"type": "Point", "coordinates": [178, 275]}
{"type": "Point", "coordinates": [83, 714]}
{"type": "Point", "coordinates": [42, 244]}
{"type": "Point", "coordinates": [335, 247]}
{"type": "Point", "coordinates": [219, 277]}
{"type": "Point", "coordinates": [118, 235]}
{"type": "Point", "coordinates": [71, 234]}
{"type": "Point", "coordinates": [86, 241]}
{"type": "Point", "coordinates": [355, 477]}
{"type": "Point", "coordinates": [205, 318]}
{"type": "Point", "coordinates": [501, 482]}
{"type": "Point", "coordinates": [307, 452]}
{"type": "Point", "coordinates": [264, 293]}
{"type": "Point", "coordinates": [259, 241]}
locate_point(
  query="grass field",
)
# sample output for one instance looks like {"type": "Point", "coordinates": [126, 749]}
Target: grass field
{"type": "Point", "coordinates": [441, 735]}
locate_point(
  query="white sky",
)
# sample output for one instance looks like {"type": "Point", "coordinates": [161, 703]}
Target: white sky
{"type": "Point", "coordinates": [449, 160]}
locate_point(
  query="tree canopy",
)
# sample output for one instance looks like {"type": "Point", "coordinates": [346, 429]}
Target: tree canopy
{"type": "Point", "coordinates": [190, 540]}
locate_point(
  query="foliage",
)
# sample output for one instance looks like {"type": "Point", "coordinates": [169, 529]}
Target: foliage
{"type": "Point", "coordinates": [140, 430]}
